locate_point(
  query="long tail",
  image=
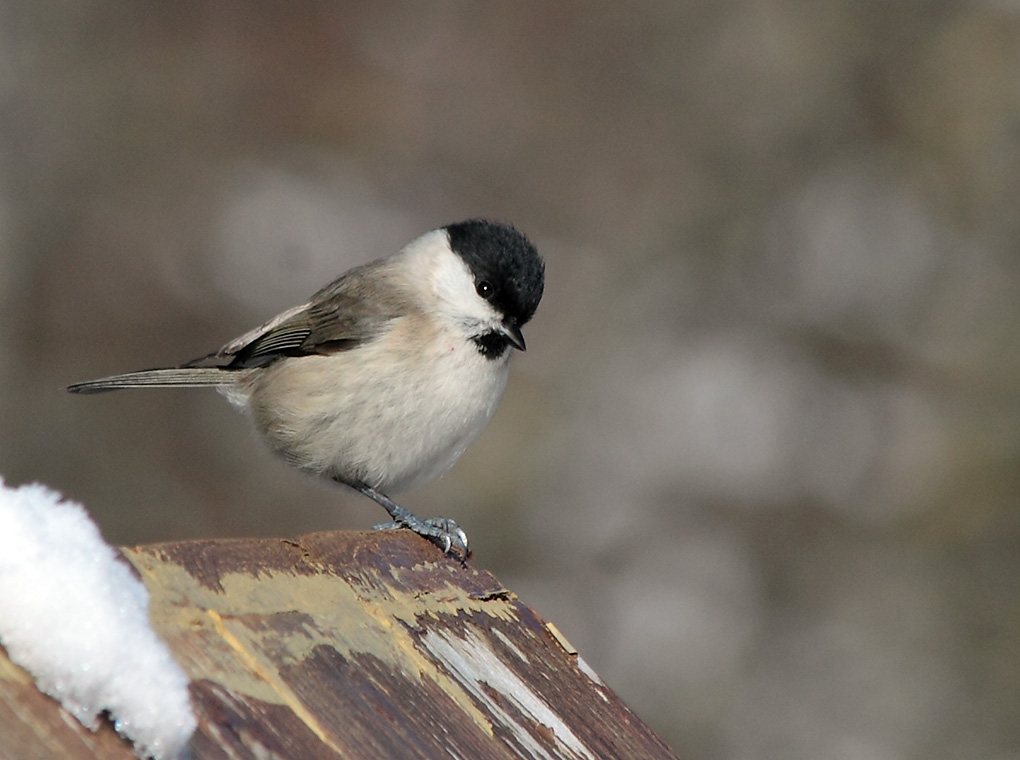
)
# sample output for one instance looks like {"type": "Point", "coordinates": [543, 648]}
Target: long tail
{"type": "Point", "coordinates": [182, 377]}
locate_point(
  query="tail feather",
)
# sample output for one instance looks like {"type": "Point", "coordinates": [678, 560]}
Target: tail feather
{"type": "Point", "coordinates": [183, 377]}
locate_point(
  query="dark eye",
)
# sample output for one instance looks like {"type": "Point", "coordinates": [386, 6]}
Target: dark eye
{"type": "Point", "coordinates": [485, 289]}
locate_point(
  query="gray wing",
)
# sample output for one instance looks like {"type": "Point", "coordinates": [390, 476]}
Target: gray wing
{"type": "Point", "coordinates": [355, 308]}
{"type": "Point", "coordinates": [343, 315]}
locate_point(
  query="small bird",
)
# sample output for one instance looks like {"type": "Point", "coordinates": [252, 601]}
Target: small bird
{"type": "Point", "coordinates": [383, 378]}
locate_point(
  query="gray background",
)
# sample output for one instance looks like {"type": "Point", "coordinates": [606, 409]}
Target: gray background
{"type": "Point", "coordinates": [761, 461]}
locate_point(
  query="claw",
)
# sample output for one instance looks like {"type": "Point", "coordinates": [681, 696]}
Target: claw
{"type": "Point", "coordinates": [442, 531]}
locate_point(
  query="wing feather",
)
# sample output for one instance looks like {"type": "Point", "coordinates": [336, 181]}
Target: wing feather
{"type": "Point", "coordinates": [341, 316]}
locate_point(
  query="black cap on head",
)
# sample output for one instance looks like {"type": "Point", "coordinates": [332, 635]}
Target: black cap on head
{"type": "Point", "coordinates": [504, 259]}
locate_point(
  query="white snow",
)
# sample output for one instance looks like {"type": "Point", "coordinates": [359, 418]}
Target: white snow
{"type": "Point", "coordinates": [74, 616]}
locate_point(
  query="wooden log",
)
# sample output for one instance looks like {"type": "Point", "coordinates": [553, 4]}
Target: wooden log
{"type": "Point", "coordinates": [348, 645]}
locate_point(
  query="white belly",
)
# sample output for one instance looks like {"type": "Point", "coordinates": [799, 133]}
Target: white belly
{"type": "Point", "coordinates": [390, 425]}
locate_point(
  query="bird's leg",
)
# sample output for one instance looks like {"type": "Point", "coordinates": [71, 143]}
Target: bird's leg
{"type": "Point", "coordinates": [442, 531]}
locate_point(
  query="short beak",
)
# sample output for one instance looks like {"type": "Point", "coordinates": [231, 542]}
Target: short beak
{"type": "Point", "coordinates": [514, 334]}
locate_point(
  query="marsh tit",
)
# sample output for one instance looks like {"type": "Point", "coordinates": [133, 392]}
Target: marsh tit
{"type": "Point", "coordinates": [386, 375]}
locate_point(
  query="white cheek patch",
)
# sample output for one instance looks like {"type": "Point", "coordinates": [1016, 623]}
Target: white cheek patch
{"type": "Point", "coordinates": [446, 284]}
{"type": "Point", "coordinates": [454, 288]}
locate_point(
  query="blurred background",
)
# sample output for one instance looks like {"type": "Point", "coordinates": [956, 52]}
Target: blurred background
{"type": "Point", "coordinates": [761, 461]}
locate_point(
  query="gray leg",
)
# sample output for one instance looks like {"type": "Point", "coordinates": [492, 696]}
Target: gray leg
{"type": "Point", "coordinates": [441, 531]}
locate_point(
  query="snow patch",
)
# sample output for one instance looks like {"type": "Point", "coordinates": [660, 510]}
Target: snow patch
{"type": "Point", "coordinates": [74, 616]}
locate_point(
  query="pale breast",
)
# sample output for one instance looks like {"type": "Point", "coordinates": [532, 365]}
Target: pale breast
{"type": "Point", "coordinates": [372, 416]}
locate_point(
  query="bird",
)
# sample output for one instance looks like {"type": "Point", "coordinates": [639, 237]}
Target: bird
{"type": "Point", "coordinates": [384, 377]}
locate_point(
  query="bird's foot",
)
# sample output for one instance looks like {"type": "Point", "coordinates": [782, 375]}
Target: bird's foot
{"type": "Point", "coordinates": [442, 531]}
